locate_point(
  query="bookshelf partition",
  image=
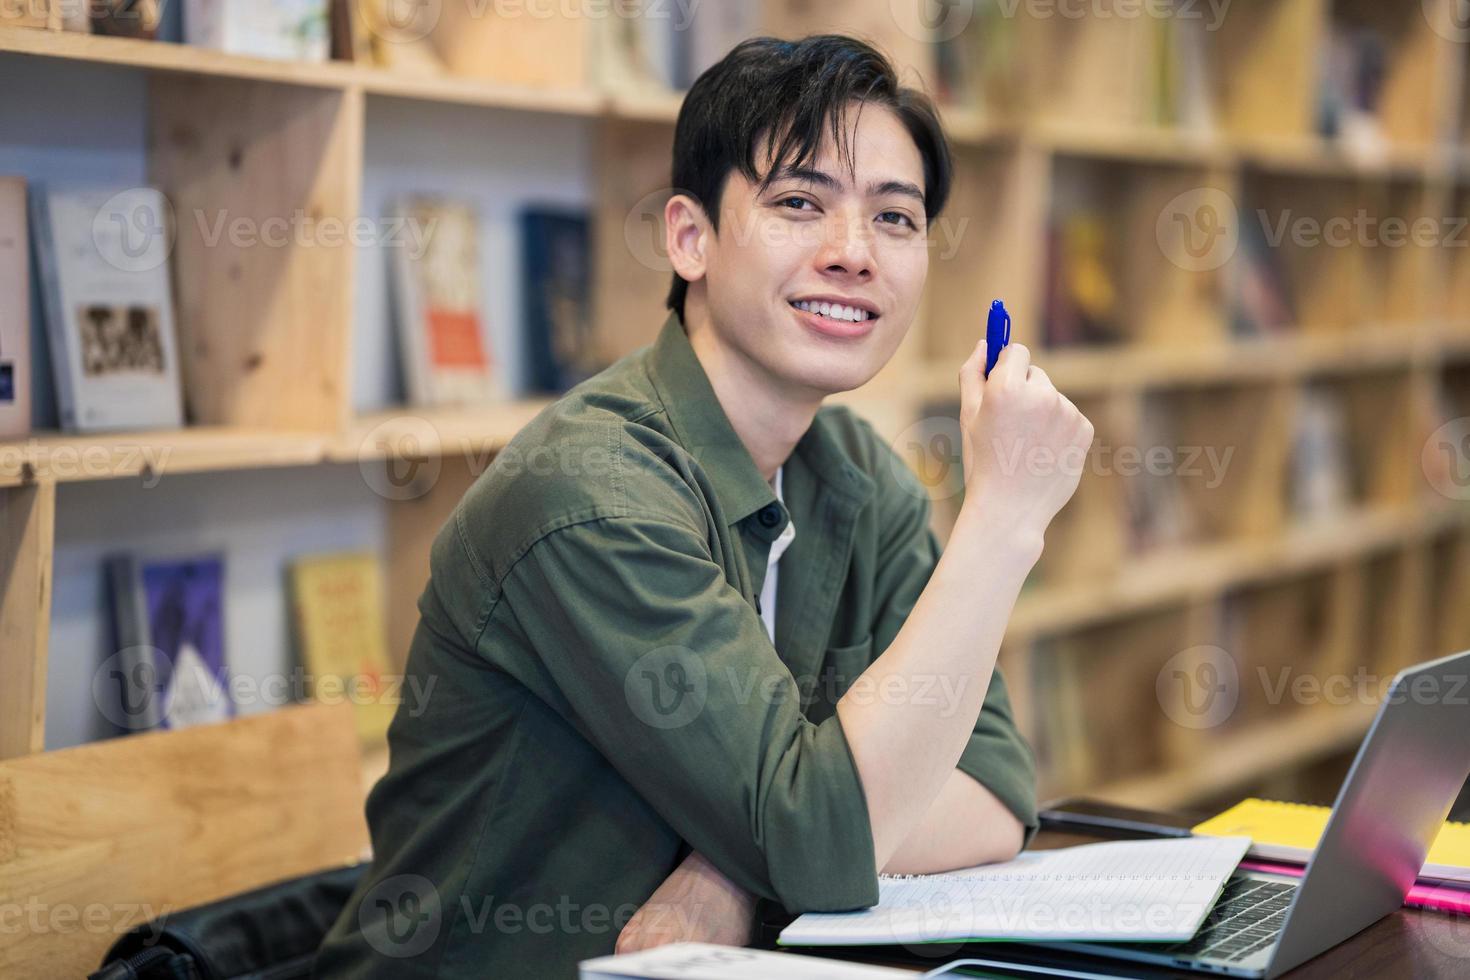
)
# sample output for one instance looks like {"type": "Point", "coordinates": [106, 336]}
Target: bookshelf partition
{"type": "Point", "coordinates": [1073, 189]}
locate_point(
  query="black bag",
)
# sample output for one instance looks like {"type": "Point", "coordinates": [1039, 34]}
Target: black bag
{"type": "Point", "coordinates": [271, 933]}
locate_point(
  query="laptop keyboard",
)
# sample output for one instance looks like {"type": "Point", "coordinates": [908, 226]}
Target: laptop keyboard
{"type": "Point", "coordinates": [1247, 919]}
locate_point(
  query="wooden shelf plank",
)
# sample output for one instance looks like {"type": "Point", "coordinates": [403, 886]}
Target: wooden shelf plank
{"type": "Point", "coordinates": [27, 526]}
{"type": "Point", "coordinates": [67, 458]}
{"type": "Point", "coordinates": [1236, 759]}
{"type": "Point", "coordinates": [1098, 370]}
{"type": "Point", "coordinates": [1195, 573]}
{"type": "Point", "coordinates": [164, 56]}
{"type": "Point", "coordinates": [168, 57]}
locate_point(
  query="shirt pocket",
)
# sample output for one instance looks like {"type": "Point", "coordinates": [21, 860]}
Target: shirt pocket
{"type": "Point", "coordinates": [841, 667]}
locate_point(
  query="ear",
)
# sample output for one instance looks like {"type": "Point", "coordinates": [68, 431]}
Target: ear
{"type": "Point", "coordinates": [687, 236]}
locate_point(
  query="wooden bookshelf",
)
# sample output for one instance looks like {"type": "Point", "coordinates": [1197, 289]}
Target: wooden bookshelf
{"type": "Point", "coordinates": [268, 383]}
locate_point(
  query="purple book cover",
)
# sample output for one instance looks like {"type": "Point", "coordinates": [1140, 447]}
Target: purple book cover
{"type": "Point", "coordinates": [184, 600]}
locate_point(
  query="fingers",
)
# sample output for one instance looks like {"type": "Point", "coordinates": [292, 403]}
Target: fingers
{"type": "Point", "coordinates": [1010, 368]}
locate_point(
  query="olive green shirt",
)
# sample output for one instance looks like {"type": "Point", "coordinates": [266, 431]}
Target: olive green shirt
{"type": "Point", "coordinates": [606, 697]}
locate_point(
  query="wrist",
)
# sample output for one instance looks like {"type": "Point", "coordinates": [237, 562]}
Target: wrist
{"type": "Point", "coordinates": [1013, 541]}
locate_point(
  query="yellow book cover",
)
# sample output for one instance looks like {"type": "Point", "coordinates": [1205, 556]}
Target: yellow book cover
{"type": "Point", "coordinates": [1290, 831]}
{"type": "Point", "coordinates": [341, 631]}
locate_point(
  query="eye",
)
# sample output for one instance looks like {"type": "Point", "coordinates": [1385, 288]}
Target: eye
{"type": "Point", "coordinates": [785, 201]}
{"type": "Point", "coordinates": [902, 218]}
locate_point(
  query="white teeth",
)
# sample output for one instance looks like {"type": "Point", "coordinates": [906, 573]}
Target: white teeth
{"type": "Point", "coordinates": [833, 311]}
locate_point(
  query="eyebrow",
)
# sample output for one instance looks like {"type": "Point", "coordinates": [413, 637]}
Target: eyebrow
{"type": "Point", "coordinates": [821, 178]}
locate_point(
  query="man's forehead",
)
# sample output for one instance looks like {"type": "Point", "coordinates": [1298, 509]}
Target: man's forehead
{"type": "Point", "coordinates": [847, 165]}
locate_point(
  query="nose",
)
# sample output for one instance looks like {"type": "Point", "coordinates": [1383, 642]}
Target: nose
{"type": "Point", "coordinates": [846, 248]}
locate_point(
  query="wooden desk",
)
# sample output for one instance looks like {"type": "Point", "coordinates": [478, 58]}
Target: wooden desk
{"type": "Point", "coordinates": [1409, 943]}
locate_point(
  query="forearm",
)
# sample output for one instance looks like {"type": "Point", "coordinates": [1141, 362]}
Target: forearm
{"type": "Point", "coordinates": [965, 825]}
{"type": "Point", "coordinates": [904, 749]}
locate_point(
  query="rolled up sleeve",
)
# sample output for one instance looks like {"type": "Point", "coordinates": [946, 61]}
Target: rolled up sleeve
{"type": "Point", "coordinates": [996, 755]}
{"type": "Point", "coordinates": [670, 674]}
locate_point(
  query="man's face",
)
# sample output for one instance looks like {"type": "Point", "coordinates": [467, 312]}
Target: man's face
{"type": "Point", "coordinates": [823, 236]}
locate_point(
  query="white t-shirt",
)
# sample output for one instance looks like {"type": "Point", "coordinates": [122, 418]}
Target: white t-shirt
{"type": "Point", "coordinates": [778, 547]}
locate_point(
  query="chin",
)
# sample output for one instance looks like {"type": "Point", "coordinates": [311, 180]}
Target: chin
{"type": "Point", "coordinates": [833, 378]}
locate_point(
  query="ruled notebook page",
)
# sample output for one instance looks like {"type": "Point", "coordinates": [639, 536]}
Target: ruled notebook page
{"type": "Point", "coordinates": [1118, 890]}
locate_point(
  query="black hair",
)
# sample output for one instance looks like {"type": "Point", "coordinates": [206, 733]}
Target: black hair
{"type": "Point", "coordinates": [791, 91]}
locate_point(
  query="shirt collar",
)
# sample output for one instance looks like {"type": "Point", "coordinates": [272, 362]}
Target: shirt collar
{"type": "Point", "coordinates": [701, 424]}
{"type": "Point", "coordinates": [703, 428]}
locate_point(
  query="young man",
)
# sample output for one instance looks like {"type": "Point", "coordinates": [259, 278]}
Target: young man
{"type": "Point", "coordinates": [688, 630]}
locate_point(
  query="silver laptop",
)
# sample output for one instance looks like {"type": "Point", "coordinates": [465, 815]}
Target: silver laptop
{"type": "Point", "coordinates": [1407, 774]}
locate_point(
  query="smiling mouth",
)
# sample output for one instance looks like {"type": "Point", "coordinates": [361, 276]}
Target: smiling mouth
{"type": "Point", "coordinates": [834, 312]}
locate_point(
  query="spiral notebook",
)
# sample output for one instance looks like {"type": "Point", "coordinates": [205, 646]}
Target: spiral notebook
{"type": "Point", "coordinates": [1290, 831]}
{"type": "Point", "coordinates": [1133, 891]}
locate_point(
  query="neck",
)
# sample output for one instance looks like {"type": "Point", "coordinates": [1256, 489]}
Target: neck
{"type": "Point", "coordinates": [768, 415]}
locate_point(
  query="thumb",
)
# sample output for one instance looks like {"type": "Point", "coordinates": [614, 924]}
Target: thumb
{"type": "Point", "coordinates": [972, 382]}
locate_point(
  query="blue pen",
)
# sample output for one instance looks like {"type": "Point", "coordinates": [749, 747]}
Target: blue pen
{"type": "Point", "coordinates": [997, 334]}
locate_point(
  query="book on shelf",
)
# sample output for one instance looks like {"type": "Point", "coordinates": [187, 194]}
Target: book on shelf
{"type": "Point", "coordinates": [437, 299]}
{"type": "Point", "coordinates": [1184, 81]}
{"type": "Point", "coordinates": [341, 631]}
{"type": "Point", "coordinates": [293, 30]}
{"type": "Point", "coordinates": [15, 310]}
{"type": "Point", "coordinates": [397, 35]}
{"type": "Point", "coordinates": [170, 669]}
{"type": "Point", "coordinates": [1354, 67]}
{"type": "Point", "coordinates": [1320, 471]}
{"type": "Point", "coordinates": [557, 268]}
{"type": "Point", "coordinates": [1158, 515]}
{"type": "Point", "coordinates": [125, 18]}
{"type": "Point", "coordinates": [102, 255]}
{"type": "Point", "coordinates": [1082, 291]}
{"type": "Point", "coordinates": [1262, 303]}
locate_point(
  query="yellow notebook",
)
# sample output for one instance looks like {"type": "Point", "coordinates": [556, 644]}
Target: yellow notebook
{"type": "Point", "coordinates": [1290, 831]}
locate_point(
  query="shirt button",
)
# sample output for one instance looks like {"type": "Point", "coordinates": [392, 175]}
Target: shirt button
{"type": "Point", "coordinates": [769, 515]}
